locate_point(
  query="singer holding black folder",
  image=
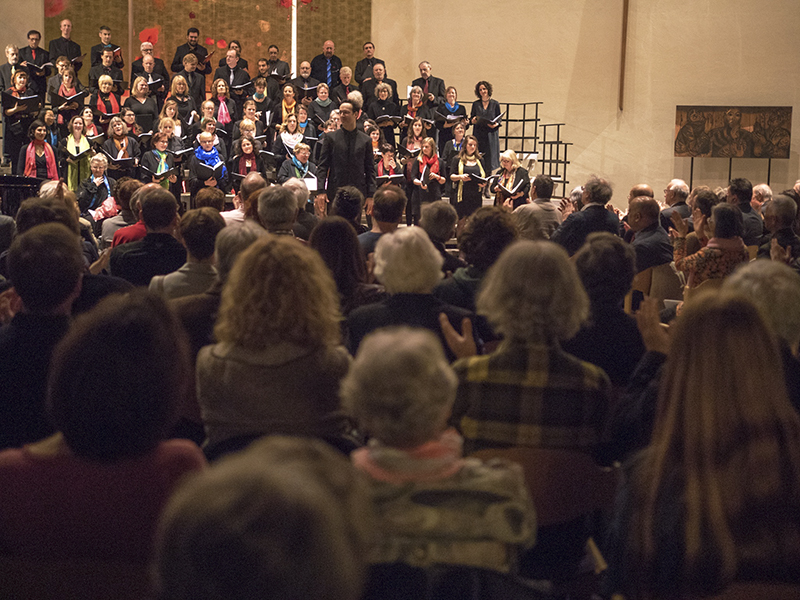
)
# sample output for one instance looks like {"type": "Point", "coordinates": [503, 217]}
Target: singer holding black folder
{"type": "Point", "coordinates": [17, 116]}
{"type": "Point", "coordinates": [69, 87]}
{"type": "Point", "coordinates": [37, 159]}
{"type": "Point", "coordinates": [466, 189]}
{"type": "Point", "coordinates": [513, 184]}
{"type": "Point", "coordinates": [206, 168]}
{"type": "Point", "coordinates": [157, 161]}
{"type": "Point", "coordinates": [74, 153]}
{"type": "Point", "coordinates": [427, 179]}
{"type": "Point", "coordinates": [142, 104]}
{"type": "Point", "coordinates": [383, 106]}
{"type": "Point", "coordinates": [485, 108]}
{"type": "Point", "coordinates": [120, 145]}
{"type": "Point", "coordinates": [104, 103]}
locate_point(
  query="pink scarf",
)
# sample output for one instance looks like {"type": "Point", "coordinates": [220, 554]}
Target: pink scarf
{"type": "Point", "coordinates": [432, 461]}
{"type": "Point", "coordinates": [30, 160]}
{"type": "Point", "coordinates": [223, 116]}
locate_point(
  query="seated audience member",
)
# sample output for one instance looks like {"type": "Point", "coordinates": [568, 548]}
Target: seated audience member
{"type": "Point", "coordinates": [779, 217]}
{"type": "Point", "coordinates": [112, 396]}
{"type": "Point", "coordinates": [532, 296]}
{"type": "Point", "coordinates": [158, 252]}
{"type": "Point", "coordinates": [762, 196]}
{"type": "Point", "coordinates": [529, 224]}
{"type": "Point", "coordinates": [45, 267]}
{"type": "Point", "coordinates": [337, 244]}
{"type": "Point", "coordinates": [277, 362]}
{"type": "Point", "coordinates": [703, 201]}
{"type": "Point", "coordinates": [287, 518]}
{"type": "Point", "coordinates": [740, 192]}
{"type": "Point", "coordinates": [409, 267]}
{"type": "Point", "coordinates": [198, 230]}
{"type": "Point", "coordinates": [675, 197]}
{"type": "Point", "coordinates": [247, 196]}
{"type": "Point", "coordinates": [277, 210]}
{"type": "Point", "coordinates": [549, 215]}
{"type": "Point", "coordinates": [610, 339]}
{"type": "Point", "coordinates": [400, 389]}
{"type": "Point", "coordinates": [585, 216]}
{"type": "Point", "coordinates": [387, 211]}
{"type": "Point", "coordinates": [439, 222]}
{"type": "Point", "coordinates": [723, 253]}
{"type": "Point", "coordinates": [210, 198]}
{"type": "Point", "coordinates": [305, 221]}
{"type": "Point", "coordinates": [650, 241]}
{"type": "Point", "coordinates": [95, 189]}
{"type": "Point", "coordinates": [698, 509]}
{"type": "Point", "coordinates": [137, 230]}
{"type": "Point", "coordinates": [348, 203]}
{"type": "Point", "coordinates": [298, 165]}
{"type": "Point", "coordinates": [487, 232]}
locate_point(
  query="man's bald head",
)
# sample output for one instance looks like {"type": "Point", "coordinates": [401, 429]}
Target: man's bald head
{"type": "Point", "coordinates": [641, 189]}
{"type": "Point", "coordinates": [643, 211]}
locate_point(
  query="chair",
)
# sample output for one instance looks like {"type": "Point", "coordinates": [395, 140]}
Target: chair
{"type": "Point", "coordinates": [564, 484]}
{"type": "Point", "coordinates": [753, 251]}
{"type": "Point", "coordinates": [40, 579]}
{"type": "Point", "coordinates": [666, 284]}
{"type": "Point", "coordinates": [708, 284]}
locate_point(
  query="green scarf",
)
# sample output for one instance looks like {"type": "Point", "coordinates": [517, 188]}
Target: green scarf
{"type": "Point", "coordinates": [461, 172]}
{"type": "Point", "coordinates": [79, 172]}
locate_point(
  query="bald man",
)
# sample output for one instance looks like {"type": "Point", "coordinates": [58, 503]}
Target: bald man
{"type": "Point", "coordinates": [650, 240]}
{"type": "Point", "coordinates": [640, 189]}
{"type": "Point", "coordinates": [304, 81]}
{"type": "Point", "coordinates": [325, 67]}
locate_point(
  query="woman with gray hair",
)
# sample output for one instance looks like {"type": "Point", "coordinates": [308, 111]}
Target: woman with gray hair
{"type": "Point", "coordinates": [401, 389]}
{"type": "Point", "coordinates": [539, 395]}
{"type": "Point", "coordinates": [409, 266]}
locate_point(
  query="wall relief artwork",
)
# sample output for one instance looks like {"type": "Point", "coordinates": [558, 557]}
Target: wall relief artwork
{"type": "Point", "coordinates": [733, 131]}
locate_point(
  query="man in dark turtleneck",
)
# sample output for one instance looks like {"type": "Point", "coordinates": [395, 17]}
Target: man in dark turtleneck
{"type": "Point", "coordinates": [346, 159]}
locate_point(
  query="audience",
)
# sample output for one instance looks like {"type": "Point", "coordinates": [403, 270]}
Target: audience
{"type": "Point", "coordinates": [409, 266]}
{"type": "Point", "coordinates": [277, 210]}
{"type": "Point", "coordinates": [439, 221]}
{"type": "Point", "coordinates": [306, 221]}
{"type": "Point", "coordinates": [387, 211]}
{"type": "Point", "coordinates": [740, 192]}
{"type": "Point", "coordinates": [112, 399]}
{"type": "Point", "coordinates": [198, 231]}
{"type": "Point", "coordinates": [288, 518]}
{"type": "Point", "coordinates": [277, 362]}
{"type": "Point", "coordinates": [401, 389]}
{"type": "Point", "coordinates": [547, 214]}
{"type": "Point", "coordinates": [650, 240]}
{"type": "Point", "coordinates": [585, 216]}
{"type": "Point", "coordinates": [158, 252]}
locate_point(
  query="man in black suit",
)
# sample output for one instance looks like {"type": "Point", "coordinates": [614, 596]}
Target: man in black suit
{"type": "Point", "coordinates": [64, 46]}
{"type": "Point", "coordinates": [137, 68]}
{"type": "Point", "coordinates": [325, 67]}
{"type": "Point", "coordinates": [433, 90]}
{"type": "Point", "coordinates": [364, 66]}
{"type": "Point", "coordinates": [340, 92]}
{"type": "Point", "coordinates": [150, 76]}
{"type": "Point", "coordinates": [192, 47]}
{"type": "Point", "coordinates": [105, 43]}
{"type": "Point", "coordinates": [378, 75]}
{"type": "Point", "coordinates": [33, 55]}
{"type": "Point", "coordinates": [105, 67]}
{"type": "Point", "coordinates": [675, 195]}
{"type": "Point", "coordinates": [346, 159]}
{"type": "Point", "coordinates": [588, 216]}
{"type": "Point", "coordinates": [305, 81]}
{"type": "Point", "coordinates": [235, 76]}
{"type": "Point", "coordinates": [650, 241]}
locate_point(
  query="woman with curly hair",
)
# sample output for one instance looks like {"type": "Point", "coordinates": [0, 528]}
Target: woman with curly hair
{"type": "Point", "coordinates": [278, 361]}
{"type": "Point", "coordinates": [484, 110]}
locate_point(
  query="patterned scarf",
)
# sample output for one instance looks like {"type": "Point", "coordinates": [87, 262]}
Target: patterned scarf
{"type": "Point", "coordinates": [461, 172]}
{"type": "Point", "coordinates": [288, 109]}
{"type": "Point", "coordinates": [300, 168]}
{"type": "Point", "coordinates": [162, 166]}
{"type": "Point", "coordinates": [79, 172]}
{"type": "Point", "coordinates": [223, 116]}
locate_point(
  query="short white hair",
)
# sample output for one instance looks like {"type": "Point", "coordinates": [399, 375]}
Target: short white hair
{"type": "Point", "coordinates": [400, 387]}
{"type": "Point", "coordinates": [680, 188]}
{"type": "Point", "coordinates": [533, 293]}
{"type": "Point", "coordinates": [100, 158]}
{"type": "Point", "coordinates": [299, 189]}
{"type": "Point", "coordinates": [764, 191]}
{"type": "Point", "coordinates": [774, 288]}
{"type": "Point", "coordinates": [406, 261]}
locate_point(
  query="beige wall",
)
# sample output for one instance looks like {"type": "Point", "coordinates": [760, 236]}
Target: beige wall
{"type": "Point", "coordinates": [566, 53]}
{"type": "Point", "coordinates": [17, 19]}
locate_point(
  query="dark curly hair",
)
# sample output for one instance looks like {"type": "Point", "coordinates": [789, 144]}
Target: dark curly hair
{"type": "Point", "coordinates": [486, 234]}
{"type": "Point", "coordinates": [488, 85]}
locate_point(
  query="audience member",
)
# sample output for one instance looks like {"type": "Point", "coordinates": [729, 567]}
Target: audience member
{"type": "Point", "coordinates": [740, 192]}
{"type": "Point", "coordinates": [288, 519]}
{"type": "Point", "coordinates": [409, 266]}
{"type": "Point", "coordinates": [348, 203]}
{"type": "Point", "coordinates": [277, 362]}
{"type": "Point", "coordinates": [591, 216]}
{"type": "Point", "coordinates": [401, 389]}
{"type": "Point", "coordinates": [277, 210]}
{"type": "Point", "coordinates": [158, 252]}
{"type": "Point", "coordinates": [387, 211]}
{"type": "Point", "coordinates": [439, 221]}
{"type": "Point", "coordinates": [650, 242]}
{"type": "Point", "coordinates": [198, 231]}
{"type": "Point", "coordinates": [306, 221]}
{"type": "Point", "coordinates": [779, 217]}
{"type": "Point", "coordinates": [114, 385]}
{"type": "Point", "coordinates": [541, 204]}
{"type": "Point", "coordinates": [210, 197]}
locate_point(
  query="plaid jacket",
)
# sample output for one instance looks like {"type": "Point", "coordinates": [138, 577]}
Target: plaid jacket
{"type": "Point", "coordinates": [530, 395]}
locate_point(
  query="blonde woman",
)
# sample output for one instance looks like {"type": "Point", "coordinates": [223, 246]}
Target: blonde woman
{"type": "Point", "coordinates": [278, 361]}
{"type": "Point", "coordinates": [74, 152]}
{"type": "Point", "coordinates": [466, 189]}
{"type": "Point", "coordinates": [142, 104]}
{"type": "Point", "coordinates": [513, 183]}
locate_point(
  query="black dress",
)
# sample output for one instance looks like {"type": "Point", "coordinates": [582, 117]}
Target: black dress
{"type": "Point", "coordinates": [146, 112]}
{"type": "Point", "coordinates": [420, 196]}
{"type": "Point", "coordinates": [522, 179]}
{"type": "Point", "coordinates": [134, 151]}
{"type": "Point", "coordinates": [488, 138]}
{"type": "Point", "coordinates": [384, 108]}
{"type": "Point", "coordinates": [471, 198]}
{"type": "Point", "coordinates": [446, 133]}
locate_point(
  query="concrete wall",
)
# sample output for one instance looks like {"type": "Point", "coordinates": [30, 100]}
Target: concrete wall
{"type": "Point", "coordinates": [566, 53]}
{"type": "Point", "coordinates": [17, 19]}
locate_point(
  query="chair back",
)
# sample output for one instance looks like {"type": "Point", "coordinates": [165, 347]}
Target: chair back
{"type": "Point", "coordinates": [708, 284]}
{"type": "Point", "coordinates": [641, 283]}
{"type": "Point", "coordinates": [753, 251]}
{"type": "Point", "coordinates": [564, 484]}
{"type": "Point", "coordinates": [666, 284]}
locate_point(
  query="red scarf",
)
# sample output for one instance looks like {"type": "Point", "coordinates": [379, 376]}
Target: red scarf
{"type": "Point", "coordinates": [30, 160]}
{"type": "Point", "coordinates": [432, 163]}
{"type": "Point", "coordinates": [382, 170]}
{"type": "Point", "coordinates": [243, 169]}
{"type": "Point", "coordinates": [223, 116]}
{"type": "Point", "coordinates": [101, 106]}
